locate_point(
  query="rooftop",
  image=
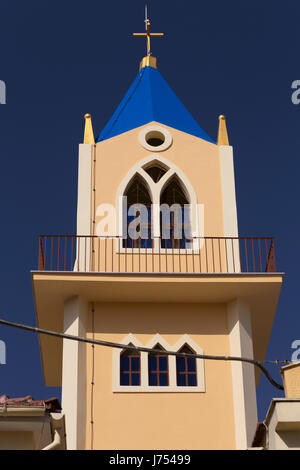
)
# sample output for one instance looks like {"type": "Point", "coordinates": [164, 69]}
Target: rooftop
{"type": "Point", "coordinates": [51, 405]}
{"type": "Point", "coordinates": [149, 99]}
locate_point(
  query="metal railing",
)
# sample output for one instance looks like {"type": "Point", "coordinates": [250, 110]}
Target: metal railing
{"type": "Point", "coordinates": [112, 255]}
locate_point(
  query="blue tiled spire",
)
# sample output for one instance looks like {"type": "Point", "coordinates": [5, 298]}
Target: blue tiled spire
{"type": "Point", "coordinates": [151, 99]}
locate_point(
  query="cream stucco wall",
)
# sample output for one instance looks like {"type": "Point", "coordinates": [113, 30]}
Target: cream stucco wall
{"type": "Point", "coordinates": [160, 420]}
{"type": "Point", "coordinates": [16, 440]}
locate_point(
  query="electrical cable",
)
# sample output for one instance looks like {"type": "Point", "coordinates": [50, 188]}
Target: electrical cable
{"type": "Point", "coordinates": [143, 349]}
{"type": "Point", "coordinates": [277, 362]}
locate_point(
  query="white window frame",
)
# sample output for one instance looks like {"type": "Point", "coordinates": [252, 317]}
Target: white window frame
{"type": "Point", "coordinates": [155, 189]}
{"type": "Point", "coordinates": [144, 377]}
{"type": "Point", "coordinates": [152, 129]}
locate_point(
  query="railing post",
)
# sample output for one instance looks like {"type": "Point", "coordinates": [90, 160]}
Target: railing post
{"type": "Point", "coordinates": [271, 263]}
{"type": "Point", "coordinates": [41, 261]}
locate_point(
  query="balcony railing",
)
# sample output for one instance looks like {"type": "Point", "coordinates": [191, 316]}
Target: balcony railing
{"type": "Point", "coordinates": [112, 255]}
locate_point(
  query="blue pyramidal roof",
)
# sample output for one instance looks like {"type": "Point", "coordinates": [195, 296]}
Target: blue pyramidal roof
{"type": "Point", "coordinates": [151, 99]}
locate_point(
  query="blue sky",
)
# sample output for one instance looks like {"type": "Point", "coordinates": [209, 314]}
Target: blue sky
{"type": "Point", "coordinates": [60, 60]}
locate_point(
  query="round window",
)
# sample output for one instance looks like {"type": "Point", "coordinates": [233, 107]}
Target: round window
{"type": "Point", "coordinates": [155, 138]}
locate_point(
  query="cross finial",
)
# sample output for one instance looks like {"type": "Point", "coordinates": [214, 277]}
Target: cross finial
{"type": "Point", "coordinates": [148, 33]}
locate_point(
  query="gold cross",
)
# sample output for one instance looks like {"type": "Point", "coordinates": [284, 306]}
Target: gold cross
{"type": "Point", "coordinates": [148, 35]}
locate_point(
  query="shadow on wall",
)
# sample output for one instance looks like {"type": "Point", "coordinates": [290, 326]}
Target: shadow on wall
{"type": "Point", "coordinates": [149, 318]}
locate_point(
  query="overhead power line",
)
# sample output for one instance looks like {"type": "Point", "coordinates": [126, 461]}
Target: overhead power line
{"type": "Point", "coordinates": [143, 349]}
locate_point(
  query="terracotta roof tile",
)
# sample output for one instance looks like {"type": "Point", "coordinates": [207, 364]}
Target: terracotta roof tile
{"type": "Point", "coordinates": [51, 404]}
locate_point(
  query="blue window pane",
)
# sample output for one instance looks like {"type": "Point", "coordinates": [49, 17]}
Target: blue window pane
{"type": "Point", "coordinates": [184, 233]}
{"type": "Point", "coordinates": [187, 224]}
{"type": "Point", "coordinates": [167, 243]}
{"type": "Point", "coordinates": [144, 230]}
{"type": "Point", "coordinates": [163, 380]}
{"type": "Point", "coordinates": [170, 243]}
{"type": "Point", "coordinates": [181, 380]}
{"type": "Point", "coordinates": [163, 363]}
{"type": "Point", "coordinates": [152, 379]}
{"type": "Point", "coordinates": [192, 380]}
{"type": "Point", "coordinates": [135, 379]}
{"type": "Point", "coordinates": [124, 379]}
{"type": "Point", "coordinates": [182, 243]}
{"type": "Point", "coordinates": [146, 243]}
{"type": "Point", "coordinates": [180, 362]}
{"type": "Point", "coordinates": [139, 243]}
{"type": "Point", "coordinates": [152, 361]}
{"type": "Point", "coordinates": [191, 364]}
{"type": "Point", "coordinates": [135, 363]}
{"type": "Point", "coordinates": [124, 363]}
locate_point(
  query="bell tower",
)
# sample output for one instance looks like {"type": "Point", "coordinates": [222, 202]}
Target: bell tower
{"type": "Point", "coordinates": [157, 261]}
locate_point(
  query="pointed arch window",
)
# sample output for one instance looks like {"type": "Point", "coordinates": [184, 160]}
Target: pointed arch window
{"type": "Point", "coordinates": [154, 371]}
{"type": "Point", "coordinates": [156, 171]}
{"type": "Point", "coordinates": [158, 368]}
{"type": "Point", "coordinates": [137, 214]}
{"type": "Point", "coordinates": [186, 369]}
{"type": "Point", "coordinates": [175, 216]}
{"type": "Point", "coordinates": [130, 368]}
{"type": "Point", "coordinates": [156, 182]}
